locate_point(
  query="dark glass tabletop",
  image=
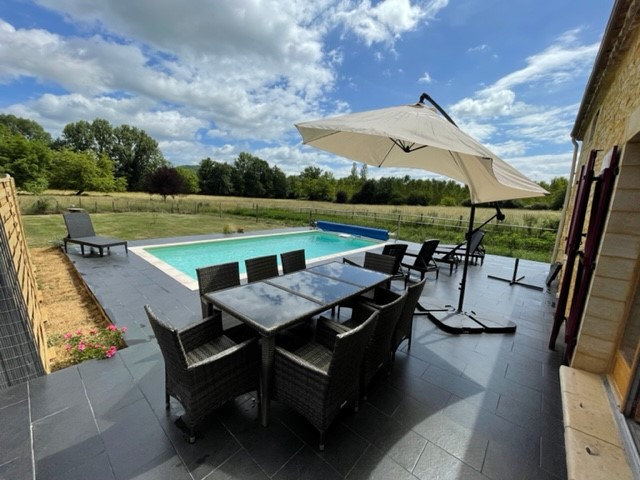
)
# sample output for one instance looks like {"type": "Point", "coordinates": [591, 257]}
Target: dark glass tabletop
{"type": "Point", "coordinates": [319, 288]}
{"type": "Point", "coordinates": [351, 274]}
{"type": "Point", "coordinates": [265, 307]}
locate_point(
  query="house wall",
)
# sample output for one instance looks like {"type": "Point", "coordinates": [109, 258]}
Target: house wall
{"type": "Point", "coordinates": [614, 119]}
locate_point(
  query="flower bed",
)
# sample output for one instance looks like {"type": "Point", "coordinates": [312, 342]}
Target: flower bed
{"type": "Point", "coordinates": [101, 342]}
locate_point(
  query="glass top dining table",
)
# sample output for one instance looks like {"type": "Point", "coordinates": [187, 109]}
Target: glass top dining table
{"type": "Point", "coordinates": [273, 305]}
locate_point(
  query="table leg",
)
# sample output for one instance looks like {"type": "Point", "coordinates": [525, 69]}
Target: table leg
{"type": "Point", "coordinates": [268, 352]}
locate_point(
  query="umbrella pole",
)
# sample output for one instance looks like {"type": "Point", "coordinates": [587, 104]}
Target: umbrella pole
{"type": "Point", "coordinates": [457, 321]}
{"type": "Point", "coordinates": [463, 282]}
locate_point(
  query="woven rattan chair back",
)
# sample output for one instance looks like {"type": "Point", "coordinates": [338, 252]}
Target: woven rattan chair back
{"type": "Point", "coordinates": [175, 359]}
{"type": "Point", "coordinates": [261, 268]}
{"type": "Point", "coordinates": [293, 261]}
{"type": "Point", "coordinates": [379, 262]}
{"type": "Point", "coordinates": [349, 348]}
{"type": "Point", "coordinates": [378, 352]}
{"type": "Point", "coordinates": [404, 326]}
{"type": "Point", "coordinates": [214, 278]}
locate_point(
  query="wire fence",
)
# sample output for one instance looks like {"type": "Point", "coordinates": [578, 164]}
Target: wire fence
{"type": "Point", "coordinates": [530, 232]}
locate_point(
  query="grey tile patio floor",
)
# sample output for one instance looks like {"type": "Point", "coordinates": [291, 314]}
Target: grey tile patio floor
{"type": "Point", "coordinates": [467, 406]}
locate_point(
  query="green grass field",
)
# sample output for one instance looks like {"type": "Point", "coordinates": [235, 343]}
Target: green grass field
{"type": "Point", "coordinates": [525, 234]}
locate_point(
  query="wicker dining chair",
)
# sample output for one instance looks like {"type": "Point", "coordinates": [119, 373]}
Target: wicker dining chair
{"type": "Point", "coordinates": [205, 366]}
{"type": "Point", "coordinates": [373, 261]}
{"type": "Point", "coordinates": [404, 327]}
{"type": "Point", "coordinates": [320, 377]}
{"type": "Point", "coordinates": [293, 261]}
{"type": "Point", "coordinates": [389, 304]}
{"type": "Point", "coordinates": [214, 278]}
{"type": "Point", "coordinates": [261, 268]}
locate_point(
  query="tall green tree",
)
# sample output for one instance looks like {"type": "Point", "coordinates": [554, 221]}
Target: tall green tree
{"type": "Point", "coordinates": [27, 161]}
{"type": "Point", "coordinates": [81, 171]}
{"type": "Point", "coordinates": [189, 179]}
{"type": "Point", "coordinates": [215, 178]}
{"type": "Point", "coordinates": [135, 155]}
{"type": "Point", "coordinates": [78, 136]}
{"type": "Point", "coordinates": [29, 129]}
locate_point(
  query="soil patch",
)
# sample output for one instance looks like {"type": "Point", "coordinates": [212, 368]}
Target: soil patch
{"type": "Point", "coordinates": [66, 304]}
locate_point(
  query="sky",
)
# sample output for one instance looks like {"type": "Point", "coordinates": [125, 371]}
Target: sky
{"type": "Point", "coordinates": [214, 78]}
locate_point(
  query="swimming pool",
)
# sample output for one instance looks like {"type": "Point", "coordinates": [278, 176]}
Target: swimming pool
{"type": "Point", "coordinates": [180, 260]}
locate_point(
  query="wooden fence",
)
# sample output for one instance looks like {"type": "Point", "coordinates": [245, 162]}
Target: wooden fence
{"type": "Point", "coordinates": [23, 343]}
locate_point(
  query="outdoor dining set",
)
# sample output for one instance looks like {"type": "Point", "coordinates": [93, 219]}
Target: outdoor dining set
{"type": "Point", "coordinates": [288, 336]}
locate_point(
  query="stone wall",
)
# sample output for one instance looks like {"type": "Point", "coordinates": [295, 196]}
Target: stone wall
{"type": "Point", "coordinates": [612, 120]}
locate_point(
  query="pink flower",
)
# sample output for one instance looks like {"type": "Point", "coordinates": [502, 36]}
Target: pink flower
{"type": "Point", "coordinates": [68, 335]}
{"type": "Point", "coordinates": [81, 346]}
{"type": "Point", "coordinates": [92, 331]}
{"type": "Point", "coordinates": [111, 352]}
{"type": "Point", "coordinates": [67, 346]}
{"type": "Point", "coordinates": [79, 332]}
{"type": "Point", "coordinates": [123, 329]}
{"type": "Point", "coordinates": [112, 327]}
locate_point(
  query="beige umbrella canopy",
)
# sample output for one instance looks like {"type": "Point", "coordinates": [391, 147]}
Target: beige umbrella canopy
{"type": "Point", "coordinates": [416, 136]}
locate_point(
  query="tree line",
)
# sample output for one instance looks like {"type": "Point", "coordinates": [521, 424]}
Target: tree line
{"type": "Point", "coordinates": [97, 156]}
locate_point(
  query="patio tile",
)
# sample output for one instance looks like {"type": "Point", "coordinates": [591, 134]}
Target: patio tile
{"type": "Point", "coordinates": [505, 462]}
{"type": "Point", "coordinates": [56, 391]}
{"type": "Point", "coordinates": [95, 468]}
{"type": "Point", "coordinates": [454, 406]}
{"type": "Point", "coordinates": [306, 464]}
{"type": "Point", "coordinates": [462, 442]}
{"type": "Point", "coordinates": [12, 395]}
{"type": "Point", "coordinates": [399, 442]}
{"type": "Point", "coordinates": [239, 466]}
{"type": "Point", "coordinates": [133, 437]}
{"type": "Point", "coordinates": [375, 465]}
{"type": "Point", "coordinates": [462, 387]}
{"type": "Point", "coordinates": [166, 465]}
{"type": "Point", "coordinates": [343, 446]}
{"type": "Point", "coordinates": [437, 463]}
{"type": "Point", "coordinates": [270, 447]}
{"type": "Point", "coordinates": [15, 434]}
{"type": "Point", "coordinates": [18, 467]}
{"type": "Point", "coordinates": [65, 438]}
{"type": "Point", "coordinates": [214, 446]}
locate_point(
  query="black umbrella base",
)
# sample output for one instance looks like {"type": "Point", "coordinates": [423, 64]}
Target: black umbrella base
{"type": "Point", "coordinates": [448, 319]}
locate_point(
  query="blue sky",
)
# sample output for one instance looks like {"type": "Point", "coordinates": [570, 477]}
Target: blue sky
{"type": "Point", "coordinates": [211, 78]}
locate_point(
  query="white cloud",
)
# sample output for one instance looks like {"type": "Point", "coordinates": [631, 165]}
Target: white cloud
{"type": "Point", "coordinates": [510, 115]}
{"type": "Point", "coordinates": [479, 48]}
{"type": "Point", "coordinates": [387, 20]}
{"type": "Point", "coordinates": [425, 78]}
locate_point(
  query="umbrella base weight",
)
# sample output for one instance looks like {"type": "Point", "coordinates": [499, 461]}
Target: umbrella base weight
{"type": "Point", "coordinates": [515, 280]}
{"type": "Point", "coordinates": [452, 321]}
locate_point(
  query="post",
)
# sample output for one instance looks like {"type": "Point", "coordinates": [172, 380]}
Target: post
{"type": "Point", "coordinates": [463, 283]}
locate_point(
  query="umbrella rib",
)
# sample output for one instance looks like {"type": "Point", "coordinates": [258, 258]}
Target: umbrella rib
{"type": "Point", "coordinates": [406, 147]}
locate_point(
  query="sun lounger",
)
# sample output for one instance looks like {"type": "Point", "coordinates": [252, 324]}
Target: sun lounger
{"type": "Point", "coordinates": [80, 231]}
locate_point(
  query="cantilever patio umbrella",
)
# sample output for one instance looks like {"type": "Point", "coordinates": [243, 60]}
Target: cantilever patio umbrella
{"type": "Point", "coordinates": [417, 136]}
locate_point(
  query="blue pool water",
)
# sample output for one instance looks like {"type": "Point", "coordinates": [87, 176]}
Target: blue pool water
{"type": "Point", "coordinates": [187, 257]}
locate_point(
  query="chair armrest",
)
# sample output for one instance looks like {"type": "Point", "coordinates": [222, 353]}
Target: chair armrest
{"type": "Point", "coordinates": [288, 366]}
{"type": "Point", "coordinates": [200, 333]}
{"type": "Point", "coordinates": [326, 331]}
{"type": "Point", "coordinates": [239, 355]}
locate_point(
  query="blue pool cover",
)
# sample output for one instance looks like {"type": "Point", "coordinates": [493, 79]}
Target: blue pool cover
{"type": "Point", "coordinates": [377, 233]}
